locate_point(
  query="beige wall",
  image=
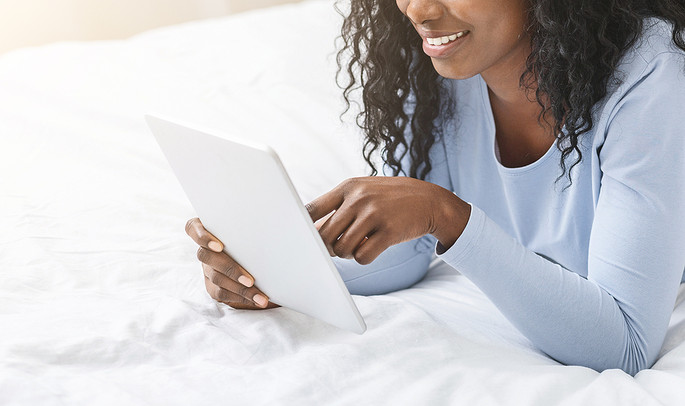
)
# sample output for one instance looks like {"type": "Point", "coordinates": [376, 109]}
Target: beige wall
{"type": "Point", "coordinates": [35, 22]}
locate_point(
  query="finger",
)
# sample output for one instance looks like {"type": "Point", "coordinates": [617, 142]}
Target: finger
{"type": "Point", "coordinates": [320, 222]}
{"type": "Point", "coordinates": [351, 239]}
{"type": "Point", "coordinates": [371, 248]}
{"type": "Point", "coordinates": [214, 290]}
{"type": "Point", "coordinates": [201, 236]}
{"type": "Point", "coordinates": [325, 204]}
{"type": "Point", "coordinates": [224, 296]}
{"type": "Point", "coordinates": [252, 294]}
{"type": "Point", "coordinates": [336, 225]}
{"type": "Point", "coordinates": [223, 263]}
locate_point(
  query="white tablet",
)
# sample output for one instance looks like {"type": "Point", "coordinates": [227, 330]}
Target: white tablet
{"type": "Point", "coordinates": [243, 195]}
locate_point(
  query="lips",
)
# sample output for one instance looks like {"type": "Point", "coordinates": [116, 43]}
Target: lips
{"type": "Point", "coordinates": [442, 44]}
{"type": "Point", "coordinates": [445, 39]}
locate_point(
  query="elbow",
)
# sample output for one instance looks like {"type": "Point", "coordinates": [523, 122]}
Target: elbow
{"type": "Point", "coordinates": [636, 347]}
{"type": "Point", "coordinates": [398, 267]}
{"type": "Point", "coordinates": [639, 356]}
{"type": "Point", "coordinates": [629, 354]}
{"type": "Point", "coordinates": [636, 356]}
{"type": "Point", "coordinates": [631, 365]}
{"type": "Point", "coordinates": [631, 368]}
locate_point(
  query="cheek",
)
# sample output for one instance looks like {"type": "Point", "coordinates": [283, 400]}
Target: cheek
{"type": "Point", "coordinates": [402, 5]}
{"type": "Point", "coordinates": [511, 22]}
{"type": "Point", "coordinates": [483, 50]}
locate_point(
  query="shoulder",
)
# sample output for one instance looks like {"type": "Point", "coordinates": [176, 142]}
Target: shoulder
{"type": "Point", "coordinates": [653, 54]}
{"type": "Point", "coordinates": [656, 39]}
{"type": "Point", "coordinates": [651, 75]}
{"type": "Point", "coordinates": [639, 127]}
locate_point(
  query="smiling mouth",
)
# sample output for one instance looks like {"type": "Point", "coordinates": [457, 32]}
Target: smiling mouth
{"type": "Point", "coordinates": [436, 41]}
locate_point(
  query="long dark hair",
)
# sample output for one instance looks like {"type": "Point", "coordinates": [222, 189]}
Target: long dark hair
{"type": "Point", "coordinates": [576, 47]}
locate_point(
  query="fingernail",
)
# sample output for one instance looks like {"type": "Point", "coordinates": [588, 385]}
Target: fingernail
{"type": "Point", "coordinates": [260, 300]}
{"type": "Point", "coordinates": [214, 246]}
{"type": "Point", "coordinates": [245, 281]}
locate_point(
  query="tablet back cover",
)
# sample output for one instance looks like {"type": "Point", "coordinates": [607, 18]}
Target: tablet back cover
{"type": "Point", "coordinates": [244, 197]}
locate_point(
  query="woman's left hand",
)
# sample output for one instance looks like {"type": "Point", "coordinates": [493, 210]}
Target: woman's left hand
{"type": "Point", "coordinates": [372, 213]}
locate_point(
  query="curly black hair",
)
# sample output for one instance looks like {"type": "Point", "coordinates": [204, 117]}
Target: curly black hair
{"type": "Point", "coordinates": [576, 48]}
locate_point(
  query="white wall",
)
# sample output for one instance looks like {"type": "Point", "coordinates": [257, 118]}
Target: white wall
{"type": "Point", "coordinates": [36, 22]}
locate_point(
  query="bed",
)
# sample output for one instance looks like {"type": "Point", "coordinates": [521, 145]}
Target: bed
{"type": "Point", "coordinates": [102, 299]}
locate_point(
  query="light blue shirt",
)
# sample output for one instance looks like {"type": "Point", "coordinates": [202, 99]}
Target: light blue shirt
{"type": "Point", "coordinates": [588, 273]}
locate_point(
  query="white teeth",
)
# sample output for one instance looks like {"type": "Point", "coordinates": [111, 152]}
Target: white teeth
{"type": "Point", "coordinates": [445, 39]}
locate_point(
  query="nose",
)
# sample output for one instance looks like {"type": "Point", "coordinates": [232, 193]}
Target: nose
{"type": "Point", "coordinates": [423, 11]}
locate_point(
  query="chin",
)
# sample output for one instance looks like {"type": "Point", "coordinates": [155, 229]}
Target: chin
{"type": "Point", "coordinates": [450, 71]}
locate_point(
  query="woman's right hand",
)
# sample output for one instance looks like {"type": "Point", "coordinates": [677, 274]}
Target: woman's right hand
{"type": "Point", "coordinates": [226, 281]}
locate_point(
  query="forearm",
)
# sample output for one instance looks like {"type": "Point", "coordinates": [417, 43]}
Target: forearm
{"type": "Point", "coordinates": [568, 317]}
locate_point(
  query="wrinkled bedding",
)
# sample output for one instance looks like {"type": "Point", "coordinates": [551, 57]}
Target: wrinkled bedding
{"type": "Point", "coordinates": [102, 299]}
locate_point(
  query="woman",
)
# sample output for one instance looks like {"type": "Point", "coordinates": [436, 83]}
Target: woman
{"type": "Point", "coordinates": [560, 122]}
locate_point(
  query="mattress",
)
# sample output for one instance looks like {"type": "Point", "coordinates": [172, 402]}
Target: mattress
{"type": "Point", "coordinates": [102, 300]}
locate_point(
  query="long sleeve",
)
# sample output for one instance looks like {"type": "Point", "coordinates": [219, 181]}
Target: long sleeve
{"type": "Point", "coordinates": [398, 267]}
{"type": "Point", "coordinates": [616, 317]}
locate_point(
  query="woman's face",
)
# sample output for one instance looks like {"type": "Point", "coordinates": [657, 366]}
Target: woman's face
{"type": "Point", "coordinates": [468, 37]}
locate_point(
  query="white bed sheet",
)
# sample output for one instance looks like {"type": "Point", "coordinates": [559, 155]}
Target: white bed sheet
{"type": "Point", "coordinates": [102, 300]}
